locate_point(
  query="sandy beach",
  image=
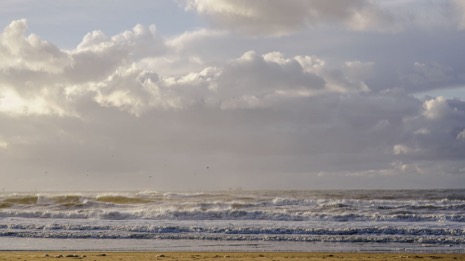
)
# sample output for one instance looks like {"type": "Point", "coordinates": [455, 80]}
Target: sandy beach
{"type": "Point", "coordinates": [210, 256]}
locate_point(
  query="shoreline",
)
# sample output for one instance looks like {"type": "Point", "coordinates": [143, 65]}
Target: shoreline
{"type": "Point", "coordinates": [141, 245]}
{"type": "Point", "coordinates": [229, 256]}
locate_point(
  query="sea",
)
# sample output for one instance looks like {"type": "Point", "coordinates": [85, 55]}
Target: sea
{"type": "Point", "coordinates": [236, 220]}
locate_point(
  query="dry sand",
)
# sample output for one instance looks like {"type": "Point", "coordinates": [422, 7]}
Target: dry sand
{"type": "Point", "coordinates": [217, 256]}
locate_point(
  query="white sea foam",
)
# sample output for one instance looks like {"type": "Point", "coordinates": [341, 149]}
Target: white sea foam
{"type": "Point", "coordinates": [405, 217]}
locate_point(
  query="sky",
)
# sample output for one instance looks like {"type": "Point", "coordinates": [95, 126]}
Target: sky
{"type": "Point", "coordinates": [231, 94]}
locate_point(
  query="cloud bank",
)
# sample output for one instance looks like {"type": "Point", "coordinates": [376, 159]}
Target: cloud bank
{"type": "Point", "coordinates": [208, 109]}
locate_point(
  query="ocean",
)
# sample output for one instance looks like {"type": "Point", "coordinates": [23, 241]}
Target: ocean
{"type": "Point", "coordinates": [345, 220]}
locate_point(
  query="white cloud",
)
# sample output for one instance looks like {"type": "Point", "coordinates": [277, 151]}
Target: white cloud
{"type": "Point", "coordinates": [42, 103]}
{"type": "Point", "coordinates": [261, 75]}
{"type": "Point", "coordinates": [98, 56]}
{"type": "Point", "coordinates": [193, 38]}
{"type": "Point", "coordinates": [18, 51]}
{"type": "Point", "coordinates": [40, 79]}
{"type": "Point", "coordinates": [436, 108]}
{"type": "Point", "coordinates": [136, 102]}
{"type": "Point", "coordinates": [275, 17]}
{"type": "Point", "coordinates": [250, 81]}
{"type": "Point", "coordinates": [136, 91]}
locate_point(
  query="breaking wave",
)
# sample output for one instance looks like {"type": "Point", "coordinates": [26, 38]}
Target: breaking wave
{"type": "Point", "coordinates": [433, 217]}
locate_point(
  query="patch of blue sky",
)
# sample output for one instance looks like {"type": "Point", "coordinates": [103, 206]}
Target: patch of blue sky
{"type": "Point", "coordinates": [65, 23]}
{"type": "Point", "coordinates": [453, 92]}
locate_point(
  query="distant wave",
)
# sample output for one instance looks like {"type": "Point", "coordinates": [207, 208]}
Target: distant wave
{"type": "Point", "coordinates": [221, 206]}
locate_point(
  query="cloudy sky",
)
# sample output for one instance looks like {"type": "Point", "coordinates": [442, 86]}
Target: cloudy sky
{"type": "Point", "coordinates": [218, 94]}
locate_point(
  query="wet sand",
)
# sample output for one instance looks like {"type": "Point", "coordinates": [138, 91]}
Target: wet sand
{"type": "Point", "coordinates": [216, 256]}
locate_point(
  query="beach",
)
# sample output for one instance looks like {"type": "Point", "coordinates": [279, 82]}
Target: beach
{"type": "Point", "coordinates": [230, 256]}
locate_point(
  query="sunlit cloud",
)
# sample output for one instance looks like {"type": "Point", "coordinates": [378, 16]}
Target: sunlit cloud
{"type": "Point", "coordinates": [295, 91]}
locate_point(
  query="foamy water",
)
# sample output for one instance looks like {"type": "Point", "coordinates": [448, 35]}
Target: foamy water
{"type": "Point", "coordinates": [433, 220]}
